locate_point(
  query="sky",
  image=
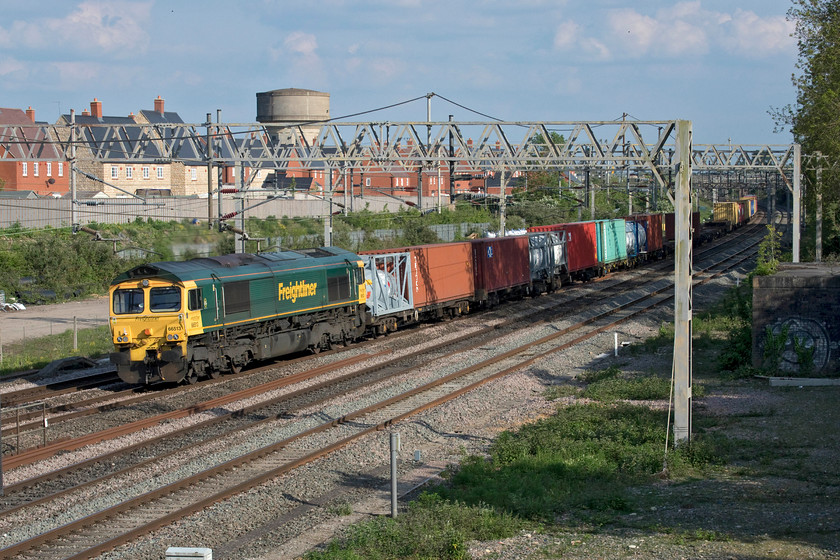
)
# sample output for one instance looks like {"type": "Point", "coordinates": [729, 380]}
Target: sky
{"type": "Point", "coordinates": [722, 64]}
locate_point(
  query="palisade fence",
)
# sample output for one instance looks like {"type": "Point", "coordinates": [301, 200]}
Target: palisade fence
{"type": "Point", "coordinates": [57, 212]}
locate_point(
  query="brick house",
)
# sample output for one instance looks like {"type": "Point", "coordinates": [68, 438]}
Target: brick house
{"type": "Point", "coordinates": [46, 176]}
{"type": "Point", "coordinates": [120, 177]}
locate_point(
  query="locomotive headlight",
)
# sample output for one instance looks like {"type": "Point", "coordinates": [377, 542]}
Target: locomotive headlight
{"type": "Point", "coordinates": [145, 282]}
{"type": "Point", "coordinates": [169, 337]}
{"type": "Point", "coordinates": [174, 337]}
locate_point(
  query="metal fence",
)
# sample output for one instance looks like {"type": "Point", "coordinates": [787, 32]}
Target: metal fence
{"type": "Point", "coordinates": [57, 212]}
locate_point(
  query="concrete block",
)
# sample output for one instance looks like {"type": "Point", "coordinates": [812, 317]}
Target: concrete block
{"type": "Point", "coordinates": [186, 553]}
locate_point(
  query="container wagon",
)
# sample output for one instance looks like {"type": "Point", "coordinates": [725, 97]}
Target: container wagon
{"type": "Point", "coordinates": [729, 213]}
{"type": "Point", "coordinates": [434, 281]}
{"type": "Point", "coordinates": [751, 205]}
{"type": "Point", "coordinates": [581, 248]}
{"type": "Point", "coordinates": [654, 231]}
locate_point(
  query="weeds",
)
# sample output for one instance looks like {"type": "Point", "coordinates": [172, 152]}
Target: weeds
{"type": "Point", "coordinates": [431, 528]}
{"type": "Point", "coordinates": [774, 348]}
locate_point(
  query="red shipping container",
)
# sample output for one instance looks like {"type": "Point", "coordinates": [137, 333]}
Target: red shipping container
{"type": "Point", "coordinates": [439, 273]}
{"type": "Point", "coordinates": [500, 263]}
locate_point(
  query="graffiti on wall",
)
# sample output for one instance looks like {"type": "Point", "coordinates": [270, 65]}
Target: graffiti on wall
{"type": "Point", "coordinates": [810, 334]}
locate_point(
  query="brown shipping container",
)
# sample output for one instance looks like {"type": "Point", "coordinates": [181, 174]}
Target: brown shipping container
{"type": "Point", "coordinates": [439, 273]}
{"type": "Point", "coordinates": [653, 229]}
{"type": "Point", "coordinates": [670, 234]}
{"type": "Point", "coordinates": [500, 263]}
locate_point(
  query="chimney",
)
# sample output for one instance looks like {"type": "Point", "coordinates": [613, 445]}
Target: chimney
{"type": "Point", "coordinates": [85, 113]}
{"type": "Point", "coordinates": [31, 113]}
{"type": "Point", "coordinates": [159, 104]}
{"type": "Point", "coordinates": [96, 108]}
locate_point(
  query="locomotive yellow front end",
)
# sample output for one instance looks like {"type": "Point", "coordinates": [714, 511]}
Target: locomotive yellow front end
{"type": "Point", "coordinates": [149, 330]}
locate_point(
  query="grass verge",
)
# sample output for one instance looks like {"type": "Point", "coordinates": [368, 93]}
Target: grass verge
{"type": "Point", "coordinates": [37, 353]}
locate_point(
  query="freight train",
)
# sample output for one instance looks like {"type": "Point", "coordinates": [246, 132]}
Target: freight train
{"type": "Point", "coordinates": [183, 321]}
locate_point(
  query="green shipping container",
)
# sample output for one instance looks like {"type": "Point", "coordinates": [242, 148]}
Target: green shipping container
{"type": "Point", "coordinates": [611, 241]}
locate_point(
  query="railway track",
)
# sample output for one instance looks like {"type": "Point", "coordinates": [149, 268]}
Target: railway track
{"type": "Point", "coordinates": [570, 302]}
{"type": "Point", "coordinates": [345, 425]}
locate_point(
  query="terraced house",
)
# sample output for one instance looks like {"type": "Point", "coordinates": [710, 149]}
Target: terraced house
{"type": "Point", "coordinates": [43, 170]}
{"type": "Point", "coordinates": [110, 174]}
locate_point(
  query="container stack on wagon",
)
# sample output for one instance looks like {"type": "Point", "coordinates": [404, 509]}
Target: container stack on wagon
{"type": "Point", "coordinates": [430, 281]}
{"type": "Point", "coordinates": [644, 236]}
{"type": "Point", "coordinates": [670, 228]}
{"type": "Point", "coordinates": [581, 248]}
{"type": "Point", "coordinates": [751, 205]}
{"type": "Point", "coordinates": [731, 214]}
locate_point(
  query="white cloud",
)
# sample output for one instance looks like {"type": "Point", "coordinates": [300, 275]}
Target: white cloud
{"type": "Point", "coordinates": [566, 35]}
{"type": "Point", "coordinates": [299, 54]}
{"type": "Point", "coordinates": [753, 34]}
{"type": "Point", "coordinates": [569, 37]}
{"type": "Point", "coordinates": [684, 29]}
{"type": "Point", "coordinates": [304, 44]}
{"type": "Point", "coordinates": [113, 28]}
{"type": "Point", "coordinates": [10, 66]}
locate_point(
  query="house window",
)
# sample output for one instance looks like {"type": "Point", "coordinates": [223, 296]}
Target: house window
{"type": "Point", "coordinates": [61, 169]}
{"type": "Point", "coordinates": [129, 172]}
{"type": "Point", "coordinates": [145, 171]}
{"type": "Point", "coordinates": [115, 172]}
{"type": "Point", "coordinates": [193, 174]}
{"type": "Point", "coordinates": [35, 169]}
{"type": "Point", "coordinates": [160, 172]}
{"type": "Point", "coordinates": [24, 169]}
{"type": "Point", "coordinates": [367, 182]}
{"type": "Point", "coordinates": [49, 169]}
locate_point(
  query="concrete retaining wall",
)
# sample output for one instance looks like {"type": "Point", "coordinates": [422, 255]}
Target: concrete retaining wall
{"type": "Point", "coordinates": [805, 298]}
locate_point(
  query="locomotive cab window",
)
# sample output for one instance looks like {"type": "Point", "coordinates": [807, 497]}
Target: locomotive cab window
{"type": "Point", "coordinates": [165, 299]}
{"type": "Point", "coordinates": [128, 301]}
{"type": "Point", "coordinates": [194, 300]}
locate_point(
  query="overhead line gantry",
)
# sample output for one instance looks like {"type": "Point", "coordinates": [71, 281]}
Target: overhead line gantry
{"type": "Point", "coordinates": [662, 148]}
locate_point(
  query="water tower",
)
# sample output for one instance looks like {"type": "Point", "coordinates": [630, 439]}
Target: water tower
{"type": "Point", "coordinates": [280, 108]}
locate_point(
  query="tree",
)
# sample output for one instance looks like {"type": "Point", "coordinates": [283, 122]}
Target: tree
{"type": "Point", "coordinates": [815, 118]}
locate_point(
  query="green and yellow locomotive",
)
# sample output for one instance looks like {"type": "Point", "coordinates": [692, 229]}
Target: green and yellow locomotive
{"type": "Point", "coordinates": [180, 321]}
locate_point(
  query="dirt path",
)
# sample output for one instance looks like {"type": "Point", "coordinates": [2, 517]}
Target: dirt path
{"type": "Point", "coordinates": [42, 320]}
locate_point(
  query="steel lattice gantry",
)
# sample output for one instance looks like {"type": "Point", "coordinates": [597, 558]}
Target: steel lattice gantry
{"type": "Point", "coordinates": [661, 148]}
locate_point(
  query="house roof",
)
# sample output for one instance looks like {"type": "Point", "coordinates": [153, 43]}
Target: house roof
{"type": "Point", "coordinates": [168, 117]}
{"type": "Point", "coordinates": [27, 140]}
{"type": "Point", "coordinates": [18, 194]}
{"type": "Point", "coordinates": [108, 146]}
